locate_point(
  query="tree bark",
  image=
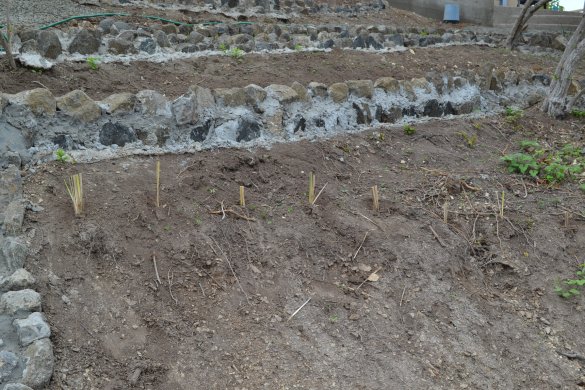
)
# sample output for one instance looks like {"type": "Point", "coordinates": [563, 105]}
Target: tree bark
{"type": "Point", "coordinates": [556, 104]}
{"type": "Point", "coordinates": [6, 40]}
{"type": "Point", "coordinates": [6, 43]}
{"type": "Point", "coordinates": [520, 25]}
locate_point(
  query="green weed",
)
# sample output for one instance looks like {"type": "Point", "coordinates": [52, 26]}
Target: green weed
{"type": "Point", "coordinates": [572, 285]}
{"type": "Point", "coordinates": [61, 156]}
{"type": "Point", "coordinates": [578, 113]}
{"type": "Point", "coordinates": [298, 47]}
{"type": "Point", "coordinates": [93, 62]}
{"type": "Point", "coordinates": [236, 53]}
{"type": "Point", "coordinates": [513, 115]}
{"type": "Point", "coordinates": [408, 129]}
{"type": "Point", "coordinates": [224, 47]}
{"type": "Point", "coordinates": [553, 166]}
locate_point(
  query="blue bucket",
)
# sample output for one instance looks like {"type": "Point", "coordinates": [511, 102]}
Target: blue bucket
{"type": "Point", "coordinates": [451, 13]}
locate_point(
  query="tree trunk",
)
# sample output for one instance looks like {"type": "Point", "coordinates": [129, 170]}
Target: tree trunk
{"type": "Point", "coordinates": [6, 40]}
{"type": "Point", "coordinates": [520, 25]}
{"type": "Point", "coordinates": [6, 43]}
{"type": "Point", "coordinates": [556, 104]}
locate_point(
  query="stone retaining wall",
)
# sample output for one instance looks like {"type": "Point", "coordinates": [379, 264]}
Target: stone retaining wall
{"type": "Point", "coordinates": [204, 118]}
{"type": "Point", "coordinates": [26, 352]}
{"type": "Point", "coordinates": [116, 38]}
{"type": "Point", "coordinates": [111, 38]}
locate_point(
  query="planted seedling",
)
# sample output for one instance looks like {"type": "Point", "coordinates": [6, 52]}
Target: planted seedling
{"type": "Point", "coordinates": [408, 129]}
{"type": "Point", "coordinates": [242, 196]}
{"type": "Point", "coordinates": [311, 188]}
{"type": "Point", "coordinates": [93, 62]}
{"type": "Point", "coordinates": [470, 140]}
{"type": "Point", "coordinates": [513, 114]}
{"type": "Point", "coordinates": [236, 53]}
{"type": "Point", "coordinates": [74, 186]}
{"type": "Point", "coordinates": [158, 183]}
{"type": "Point", "coordinates": [375, 199]}
{"type": "Point", "coordinates": [61, 156]}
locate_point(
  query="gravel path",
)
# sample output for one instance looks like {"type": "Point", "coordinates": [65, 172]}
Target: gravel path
{"type": "Point", "coordinates": [36, 13]}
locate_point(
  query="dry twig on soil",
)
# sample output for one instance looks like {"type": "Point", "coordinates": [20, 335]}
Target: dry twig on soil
{"type": "Point", "coordinates": [232, 212]}
{"type": "Point", "coordinates": [299, 309]}
{"type": "Point", "coordinates": [231, 268]}
{"type": "Point", "coordinates": [360, 247]}
{"type": "Point", "coordinates": [156, 270]}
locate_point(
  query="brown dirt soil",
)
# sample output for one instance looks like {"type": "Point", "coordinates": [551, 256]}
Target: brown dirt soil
{"type": "Point", "coordinates": [463, 304]}
{"type": "Point", "coordinates": [174, 78]}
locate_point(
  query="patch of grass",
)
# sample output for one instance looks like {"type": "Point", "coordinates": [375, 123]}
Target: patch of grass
{"type": "Point", "coordinates": [93, 63]}
{"type": "Point", "coordinates": [569, 288]}
{"type": "Point", "coordinates": [552, 166]}
{"type": "Point", "coordinates": [236, 53]}
{"type": "Point", "coordinates": [578, 113]}
{"type": "Point", "coordinates": [408, 129]}
{"type": "Point", "coordinates": [74, 186]}
{"type": "Point", "coordinates": [513, 114]}
{"type": "Point", "coordinates": [470, 140]}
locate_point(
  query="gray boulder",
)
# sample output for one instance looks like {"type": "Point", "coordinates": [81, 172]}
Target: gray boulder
{"type": "Point", "coordinates": [40, 363]}
{"type": "Point", "coordinates": [32, 328]}
{"type": "Point", "coordinates": [148, 46]}
{"type": "Point", "coordinates": [161, 39]}
{"type": "Point", "coordinates": [78, 105]}
{"type": "Point", "coordinates": [14, 217]}
{"type": "Point", "coordinates": [20, 279]}
{"type": "Point", "coordinates": [116, 133]}
{"type": "Point", "coordinates": [13, 302]}
{"type": "Point", "coordinates": [16, 386]}
{"type": "Point", "coordinates": [13, 251]}
{"type": "Point", "coordinates": [49, 44]}
{"type": "Point", "coordinates": [8, 363]}
{"type": "Point", "coordinates": [85, 42]}
{"type": "Point", "coordinates": [121, 46]}
{"type": "Point", "coordinates": [30, 46]}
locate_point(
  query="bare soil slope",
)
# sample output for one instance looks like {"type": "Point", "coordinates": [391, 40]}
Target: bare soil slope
{"type": "Point", "coordinates": [463, 304]}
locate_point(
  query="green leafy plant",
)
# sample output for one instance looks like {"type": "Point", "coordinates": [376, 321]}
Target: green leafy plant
{"type": "Point", "coordinates": [93, 62]}
{"type": "Point", "coordinates": [554, 166]}
{"type": "Point", "coordinates": [513, 114]}
{"type": "Point", "coordinates": [578, 113]}
{"type": "Point", "coordinates": [569, 288]}
{"type": "Point", "coordinates": [298, 47]}
{"type": "Point", "coordinates": [61, 156]}
{"type": "Point", "coordinates": [223, 47]}
{"type": "Point", "coordinates": [236, 53]}
{"type": "Point", "coordinates": [408, 129]}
